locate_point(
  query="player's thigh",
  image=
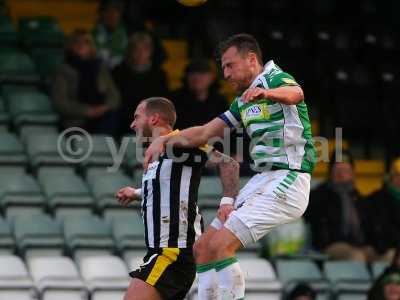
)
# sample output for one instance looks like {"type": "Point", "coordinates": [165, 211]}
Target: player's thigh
{"type": "Point", "coordinates": [224, 243]}
{"type": "Point", "coordinates": [140, 290]}
{"type": "Point", "coordinates": [200, 248]}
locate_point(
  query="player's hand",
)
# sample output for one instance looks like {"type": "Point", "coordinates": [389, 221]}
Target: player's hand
{"type": "Point", "coordinates": [253, 94]}
{"type": "Point", "coordinates": [156, 148]}
{"type": "Point", "coordinates": [126, 195]}
{"type": "Point", "coordinates": [224, 211]}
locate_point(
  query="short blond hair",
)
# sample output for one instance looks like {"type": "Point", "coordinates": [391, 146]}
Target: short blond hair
{"type": "Point", "coordinates": [164, 107]}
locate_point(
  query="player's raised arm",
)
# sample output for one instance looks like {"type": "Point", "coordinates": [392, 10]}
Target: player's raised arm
{"type": "Point", "coordinates": [190, 138]}
{"type": "Point", "coordinates": [289, 95]}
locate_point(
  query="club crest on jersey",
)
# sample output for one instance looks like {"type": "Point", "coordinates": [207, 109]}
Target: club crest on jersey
{"type": "Point", "coordinates": [257, 112]}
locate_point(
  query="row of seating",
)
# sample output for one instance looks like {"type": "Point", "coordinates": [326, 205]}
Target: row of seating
{"type": "Point", "coordinates": [63, 278]}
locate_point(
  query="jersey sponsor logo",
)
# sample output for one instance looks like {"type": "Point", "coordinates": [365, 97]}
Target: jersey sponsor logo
{"type": "Point", "coordinates": [256, 112]}
{"type": "Point", "coordinates": [289, 81]}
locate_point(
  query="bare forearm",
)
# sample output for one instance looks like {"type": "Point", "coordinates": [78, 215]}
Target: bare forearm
{"type": "Point", "coordinates": [190, 137]}
{"type": "Point", "coordinates": [228, 172]}
{"type": "Point", "coordinates": [289, 95]}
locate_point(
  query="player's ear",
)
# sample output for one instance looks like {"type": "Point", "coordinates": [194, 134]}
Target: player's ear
{"type": "Point", "coordinates": [154, 119]}
{"type": "Point", "coordinates": [252, 57]}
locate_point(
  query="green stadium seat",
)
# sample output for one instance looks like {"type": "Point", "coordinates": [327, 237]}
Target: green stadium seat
{"type": "Point", "coordinates": [65, 191]}
{"type": "Point", "coordinates": [11, 150]}
{"type": "Point", "coordinates": [38, 234]}
{"type": "Point", "coordinates": [7, 89]}
{"type": "Point", "coordinates": [31, 108]}
{"type": "Point", "coordinates": [348, 277]}
{"type": "Point", "coordinates": [16, 66]}
{"type": "Point", "coordinates": [291, 272]}
{"type": "Point", "coordinates": [40, 31]}
{"type": "Point", "coordinates": [43, 150]}
{"type": "Point", "coordinates": [210, 191]}
{"type": "Point", "coordinates": [8, 35]}
{"type": "Point", "coordinates": [104, 185]}
{"type": "Point", "coordinates": [20, 193]}
{"type": "Point", "coordinates": [4, 116]}
{"type": "Point", "coordinates": [128, 232]}
{"type": "Point", "coordinates": [100, 154]}
{"type": "Point", "coordinates": [88, 235]}
{"type": "Point", "coordinates": [7, 243]}
{"type": "Point", "coordinates": [47, 61]}
{"type": "Point", "coordinates": [33, 130]}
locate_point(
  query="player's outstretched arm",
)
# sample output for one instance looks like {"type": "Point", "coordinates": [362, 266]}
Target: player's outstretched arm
{"type": "Point", "coordinates": [229, 175]}
{"type": "Point", "coordinates": [289, 95]}
{"type": "Point", "coordinates": [189, 138]}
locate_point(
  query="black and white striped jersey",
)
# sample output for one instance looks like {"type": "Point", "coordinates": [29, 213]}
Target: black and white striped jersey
{"type": "Point", "coordinates": [169, 199]}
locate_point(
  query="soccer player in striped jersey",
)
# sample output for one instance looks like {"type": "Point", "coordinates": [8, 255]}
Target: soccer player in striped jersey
{"type": "Point", "coordinates": [169, 205]}
{"type": "Point", "coordinates": [270, 106]}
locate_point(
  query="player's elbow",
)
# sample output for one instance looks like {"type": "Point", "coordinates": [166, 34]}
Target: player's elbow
{"type": "Point", "coordinates": [295, 96]}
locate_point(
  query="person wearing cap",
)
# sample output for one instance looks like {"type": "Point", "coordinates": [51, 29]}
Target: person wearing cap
{"type": "Point", "coordinates": [335, 214]}
{"type": "Point", "coordinates": [198, 101]}
{"type": "Point", "coordinates": [383, 216]}
{"type": "Point", "coordinates": [110, 35]}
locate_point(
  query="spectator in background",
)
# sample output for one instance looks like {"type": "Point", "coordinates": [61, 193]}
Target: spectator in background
{"type": "Point", "coordinates": [383, 216]}
{"type": "Point", "coordinates": [110, 34]}
{"type": "Point", "coordinates": [302, 291]}
{"type": "Point", "coordinates": [198, 101]}
{"type": "Point", "coordinates": [335, 214]}
{"type": "Point", "coordinates": [136, 78]}
{"type": "Point", "coordinates": [83, 91]}
{"type": "Point", "coordinates": [387, 286]}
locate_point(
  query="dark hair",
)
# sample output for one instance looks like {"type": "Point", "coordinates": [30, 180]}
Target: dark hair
{"type": "Point", "coordinates": [302, 289]}
{"type": "Point", "coordinates": [162, 106]}
{"type": "Point", "coordinates": [244, 43]}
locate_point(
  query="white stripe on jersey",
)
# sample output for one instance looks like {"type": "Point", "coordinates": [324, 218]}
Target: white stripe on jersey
{"type": "Point", "coordinates": [149, 211]}
{"type": "Point", "coordinates": [232, 118]}
{"type": "Point", "coordinates": [184, 205]}
{"type": "Point", "coordinates": [165, 172]}
{"type": "Point", "coordinates": [197, 224]}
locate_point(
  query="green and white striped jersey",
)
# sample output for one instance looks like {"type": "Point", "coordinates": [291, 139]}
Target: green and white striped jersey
{"type": "Point", "coordinates": [280, 134]}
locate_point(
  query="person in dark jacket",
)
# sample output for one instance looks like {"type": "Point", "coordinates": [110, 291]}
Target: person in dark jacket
{"type": "Point", "coordinates": [383, 216]}
{"type": "Point", "coordinates": [137, 78]}
{"type": "Point", "coordinates": [198, 101]}
{"type": "Point", "coordinates": [83, 90]}
{"type": "Point", "coordinates": [335, 214]}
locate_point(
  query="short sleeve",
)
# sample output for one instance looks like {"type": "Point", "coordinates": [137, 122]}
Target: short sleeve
{"type": "Point", "coordinates": [232, 116]}
{"type": "Point", "coordinates": [281, 79]}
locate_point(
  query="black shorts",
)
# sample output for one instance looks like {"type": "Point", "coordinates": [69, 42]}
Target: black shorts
{"type": "Point", "coordinates": [170, 270]}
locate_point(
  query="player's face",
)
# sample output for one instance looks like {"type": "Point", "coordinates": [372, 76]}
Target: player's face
{"type": "Point", "coordinates": [237, 69]}
{"type": "Point", "coordinates": [392, 291]}
{"type": "Point", "coordinates": [141, 122]}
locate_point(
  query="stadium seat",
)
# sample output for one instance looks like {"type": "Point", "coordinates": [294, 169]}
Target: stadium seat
{"type": "Point", "coordinates": [291, 272]}
{"type": "Point", "coordinates": [260, 276]}
{"type": "Point", "coordinates": [7, 243]}
{"type": "Point", "coordinates": [20, 193]}
{"type": "Point", "coordinates": [8, 35]}
{"type": "Point", "coordinates": [105, 276]}
{"type": "Point", "coordinates": [128, 233]}
{"type": "Point", "coordinates": [4, 116]}
{"type": "Point", "coordinates": [378, 267]}
{"type": "Point", "coordinates": [43, 150]}
{"type": "Point", "coordinates": [65, 191]}
{"type": "Point", "coordinates": [210, 192]}
{"type": "Point", "coordinates": [38, 235]}
{"type": "Point", "coordinates": [47, 61]}
{"type": "Point", "coordinates": [104, 185]}
{"type": "Point", "coordinates": [40, 31]}
{"type": "Point", "coordinates": [11, 150]}
{"type": "Point", "coordinates": [101, 146]}
{"type": "Point", "coordinates": [57, 278]}
{"type": "Point", "coordinates": [31, 108]}
{"type": "Point", "coordinates": [17, 67]}
{"type": "Point", "coordinates": [33, 130]}
{"type": "Point", "coordinates": [348, 277]}
{"type": "Point", "coordinates": [208, 215]}
{"type": "Point", "coordinates": [15, 282]}
{"type": "Point", "coordinates": [87, 236]}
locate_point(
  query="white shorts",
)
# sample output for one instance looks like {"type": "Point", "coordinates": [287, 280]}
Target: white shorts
{"type": "Point", "coordinates": [269, 199]}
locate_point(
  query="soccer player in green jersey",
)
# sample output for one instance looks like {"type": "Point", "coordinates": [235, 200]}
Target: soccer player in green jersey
{"type": "Point", "coordinates": [270, 106]}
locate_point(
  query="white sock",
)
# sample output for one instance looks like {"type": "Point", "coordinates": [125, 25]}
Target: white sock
{"type": "Point", "coordinates": [230, 279]}
{"type": "Point", "coordinates": [208, 282]}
